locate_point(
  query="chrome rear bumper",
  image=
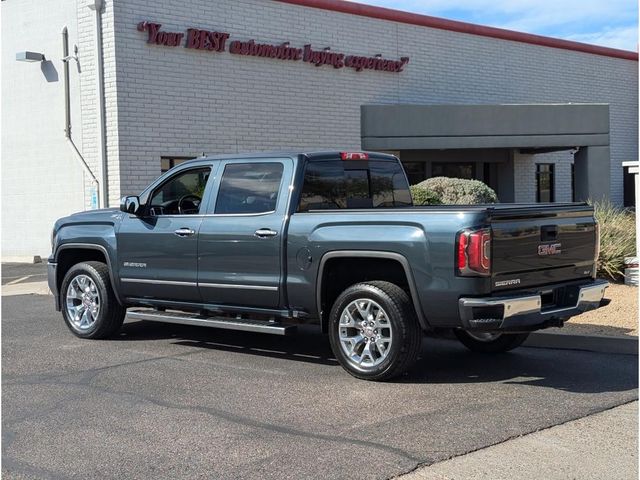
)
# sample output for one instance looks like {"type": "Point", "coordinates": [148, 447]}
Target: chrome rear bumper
{"type": "Point", "coordinates": [521, 311]}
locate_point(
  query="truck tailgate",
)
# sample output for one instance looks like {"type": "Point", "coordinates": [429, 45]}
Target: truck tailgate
{"type": "Point", "coordinates": [542, 245]}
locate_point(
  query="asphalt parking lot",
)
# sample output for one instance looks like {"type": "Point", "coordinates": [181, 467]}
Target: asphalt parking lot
{"type": "Point", "coordinates": [23, 272]}
{"type": "Point", "coordinates": [163, 401]}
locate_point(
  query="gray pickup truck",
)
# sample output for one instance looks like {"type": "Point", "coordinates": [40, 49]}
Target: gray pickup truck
{"type": "Point", "coordinates": [264, 242]}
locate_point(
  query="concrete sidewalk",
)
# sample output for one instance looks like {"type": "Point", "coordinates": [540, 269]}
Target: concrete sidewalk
{"type": "Point", "coordinates": [35, 288]}
{"type": "Point", "coordinates": [603, 445]}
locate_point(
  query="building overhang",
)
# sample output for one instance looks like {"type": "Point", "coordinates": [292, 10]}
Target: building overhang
{"type": "Point", "coordinates": [427, 127]}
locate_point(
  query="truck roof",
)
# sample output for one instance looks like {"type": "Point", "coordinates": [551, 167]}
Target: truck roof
{"type": "Point", "coordinates": [311, 155]}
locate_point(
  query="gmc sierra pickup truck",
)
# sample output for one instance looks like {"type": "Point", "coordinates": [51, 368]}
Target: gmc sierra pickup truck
{"type": "Point", "coordinates": [263, 242]}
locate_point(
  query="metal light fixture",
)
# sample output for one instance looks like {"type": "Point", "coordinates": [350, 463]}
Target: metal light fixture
{"type": "Point", "coordinates": [72, 57]}
{"type": "Point", "coordinates": [30, 57]}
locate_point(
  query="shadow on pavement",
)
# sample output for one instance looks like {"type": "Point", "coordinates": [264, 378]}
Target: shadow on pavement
{"type": "Point", "coordinates": [567, 370]}
{"type": "Point", "coordinates": [441, 361]}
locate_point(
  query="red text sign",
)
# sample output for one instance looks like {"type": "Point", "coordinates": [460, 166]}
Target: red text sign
{"type": "Point", "coordinates": [215, 41]}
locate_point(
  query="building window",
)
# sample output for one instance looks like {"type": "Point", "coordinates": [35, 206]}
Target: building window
{"type": "Point", "coordinates": [167, 163]}
{"type": "Point", "coordinates": [544, 176]}
{"type": "Point", "coordinates": [415, 171]}
{"type": "Point", "coordinates": [454, 170]}
{"type": "Point", "coordinates": [629, 188]}
{"type": "Point", "coordinates": [573, 182]}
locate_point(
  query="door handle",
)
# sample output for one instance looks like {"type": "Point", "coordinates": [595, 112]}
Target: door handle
{"type": "Point", "coordinates": [265, 233]}
{"type": "Point", "coordinates": [184, 232]}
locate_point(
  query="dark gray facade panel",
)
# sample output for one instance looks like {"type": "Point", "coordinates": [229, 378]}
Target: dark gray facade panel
{"type": "Point", "coordinates": [489, 141]}
{"type": "Point", "coordinates": [592, 173]}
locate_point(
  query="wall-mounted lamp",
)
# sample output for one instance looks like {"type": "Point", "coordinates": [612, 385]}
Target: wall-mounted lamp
{"type": "Point", "coordinates": [30, 57]}
{"type": "Point", "coordinates": [72, 57]}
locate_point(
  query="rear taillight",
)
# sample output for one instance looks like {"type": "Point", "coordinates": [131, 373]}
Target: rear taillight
{"type": "Point", "coordinates": [474, 252]}
{"type": "Point", "coordinates": [597, 251]}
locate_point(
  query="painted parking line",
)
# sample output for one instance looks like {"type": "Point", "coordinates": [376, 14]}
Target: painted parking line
{"type": "Point", "coordinates": [18, 280]}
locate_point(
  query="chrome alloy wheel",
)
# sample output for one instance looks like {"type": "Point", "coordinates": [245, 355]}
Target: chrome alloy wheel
{"type": "Point", "coordinates": [83, 302]}
{"type": "Point", "coordinates": [365, 333]}
{"type": "Point", "coordinates": [484, 336]}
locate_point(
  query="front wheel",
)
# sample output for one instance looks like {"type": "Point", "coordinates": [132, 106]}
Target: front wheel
{"type": "Point", "coordinates": [490, 342]}
{"type": "Point", "coordinates": [373, 330]}
{"type": "Point", "coordinates": [89, 306]}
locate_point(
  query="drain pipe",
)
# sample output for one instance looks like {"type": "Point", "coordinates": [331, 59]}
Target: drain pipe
{"type": "Point", "coordinates": [67, 112]}
{"type": "Point", "coordinates": [102, 143]}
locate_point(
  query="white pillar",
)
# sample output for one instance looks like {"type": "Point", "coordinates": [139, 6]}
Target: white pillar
{"type": "Point", "coordinates": [634, 168]}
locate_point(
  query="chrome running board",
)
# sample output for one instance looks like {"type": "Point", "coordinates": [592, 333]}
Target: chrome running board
{"type": "Point", "coordinates": [184, 318]}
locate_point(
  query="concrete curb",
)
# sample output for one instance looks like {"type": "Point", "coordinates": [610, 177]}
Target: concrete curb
{"type": "Point", "coordinates": [591, 343]}
{"type": "Point", "coordinates": [584, 448]}
{"type": "Point", "coordinates": [22, 259]}
{"type": "Point", "coordinates": [35, 288]}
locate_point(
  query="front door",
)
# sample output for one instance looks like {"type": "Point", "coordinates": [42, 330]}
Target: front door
{"type": "Point", "coordinates": [158, 250]}
{"type": "Point", "coordinates": [241, 240]}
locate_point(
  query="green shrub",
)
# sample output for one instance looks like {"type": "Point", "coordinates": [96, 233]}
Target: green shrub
{"type": "Point", "coordinates": [424, 196]}
{"type": "Point", "coordinates": [617, 239]}
{"type": "Point", "coordinates": [452, 191]}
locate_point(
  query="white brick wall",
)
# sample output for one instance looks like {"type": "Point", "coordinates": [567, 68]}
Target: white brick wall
{"type": "Point", "coordinates": [88, 87]}
{"type": "Point", "coordinates": [41, 180]}
{"type": "Point", "coordinates": [176, 101]}
{"type": "Point", "coordinates": [87, 129]}
{"type": "Point", "coordinates": [525, 175]}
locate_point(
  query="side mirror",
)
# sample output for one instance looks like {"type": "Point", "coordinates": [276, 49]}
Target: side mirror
{"type": "Point", "coordinates": [130, 204]}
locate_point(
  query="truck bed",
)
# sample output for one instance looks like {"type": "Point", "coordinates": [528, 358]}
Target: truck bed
{"type": "Point", "coordinates": [532, 244]}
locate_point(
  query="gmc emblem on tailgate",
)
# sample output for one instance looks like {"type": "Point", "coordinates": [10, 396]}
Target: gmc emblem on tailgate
{"type": "Point", "coordinates": [549, 249]}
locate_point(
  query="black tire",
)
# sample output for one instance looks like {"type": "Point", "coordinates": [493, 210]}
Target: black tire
{"type": "Point", "coordinates": [503, 343]}
{"type": "Point", "coordinates": [110, 314]}
{"type": "Point", "coordinates": [406, 334]}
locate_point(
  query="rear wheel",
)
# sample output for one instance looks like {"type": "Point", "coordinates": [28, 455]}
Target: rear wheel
{"type": "Point", "coordinates": [490, 342]}
{"type": "Point", "coordinates": [89, 306]}
{"type": "Point", "coordinates": [373, 330]}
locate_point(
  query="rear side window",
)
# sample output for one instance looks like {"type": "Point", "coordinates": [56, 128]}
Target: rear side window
{"type": "Point", "coordinates": [354, 184]}
{"type": "Point", "coordinates": [249, 188]}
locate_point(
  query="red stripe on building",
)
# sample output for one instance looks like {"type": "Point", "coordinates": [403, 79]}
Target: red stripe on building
{"type": "Point", "coordinates": [389, 14]}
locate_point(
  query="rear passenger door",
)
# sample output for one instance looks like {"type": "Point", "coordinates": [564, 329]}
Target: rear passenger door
{"type": "Point", "coordinates": [241, 238]}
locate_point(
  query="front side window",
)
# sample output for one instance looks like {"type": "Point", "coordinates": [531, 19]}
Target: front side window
{"type": "Point", "coordinates": [353, 184]}
{"type": "Point", "coordinates": [181, 194]}
{"type": "Point", "coordinates": [249, 188]}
